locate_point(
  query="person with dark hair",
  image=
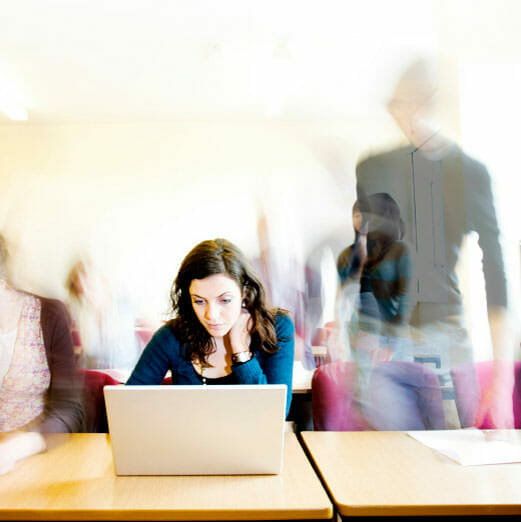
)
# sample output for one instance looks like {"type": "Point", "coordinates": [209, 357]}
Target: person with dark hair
{"type": "Point", "coordinates": [379, 259]}
{"type": "Point", "coordinates": [223, 331]}
{"type": "Point", "coordinates": [40, 391]}
{"type": "Point", "coordinates": [379, 266]}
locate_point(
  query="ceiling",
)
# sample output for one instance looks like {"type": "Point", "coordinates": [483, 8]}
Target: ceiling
{"type": "Point", "coordinates": [134, 60]}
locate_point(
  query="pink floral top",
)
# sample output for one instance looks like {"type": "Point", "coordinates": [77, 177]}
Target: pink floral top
{"type": "Point", "coordinates": [23, 388]}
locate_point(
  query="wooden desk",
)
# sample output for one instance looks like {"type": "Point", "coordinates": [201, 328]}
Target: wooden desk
{"type": "Point", "coordinates": [301, 378]}
{"type": "Point", "coordinates": [389, 473]}
{"type": "Point", "coordinates": [76, 481]}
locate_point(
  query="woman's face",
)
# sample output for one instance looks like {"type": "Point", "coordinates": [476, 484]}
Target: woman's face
{"type": "Point", "coordinates": [357, 220]}
{"type": "Point", "coordinates": [217, 302]}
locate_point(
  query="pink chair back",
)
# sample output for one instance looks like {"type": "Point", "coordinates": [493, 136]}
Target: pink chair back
{"type": "Point", "coordinates": [333, 398]}
{"type": "Point", "coordinates": [470, 381]}
{"type": "Point", "coordinates": [96, 415]}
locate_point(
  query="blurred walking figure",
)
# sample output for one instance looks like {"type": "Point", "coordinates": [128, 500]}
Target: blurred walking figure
{"type": "Point", "coordinates": [281, 268]}
{"type": "Point", "coordinates": [104, 323]}
{"type": "Point", "coordinates": [444, 195]}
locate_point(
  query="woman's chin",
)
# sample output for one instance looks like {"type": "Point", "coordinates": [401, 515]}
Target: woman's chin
{"type": "Point", "coordinates": [217, 332]}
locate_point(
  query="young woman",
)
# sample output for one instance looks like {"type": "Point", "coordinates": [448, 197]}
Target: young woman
{"type": "Point", "coordinates": [391, 393]}
{"type": "Point", "coordinates": [39, 387]}
{"type": "Point", "coordinates": [223, 331]}
{"type": "Point", "coordinates": [379, 260]}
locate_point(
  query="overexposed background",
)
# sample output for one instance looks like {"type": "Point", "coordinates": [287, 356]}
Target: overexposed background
{"type": "Point", "coordinates": [154, 125]}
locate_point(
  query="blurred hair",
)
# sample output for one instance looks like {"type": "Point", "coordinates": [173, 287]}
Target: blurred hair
{"type": "Point", "coordinates": [219, 256]}
{"type": "Point", "coordinates": [4, 256]}
{"type": "Point", "coordinates": [387, 220]}
{"type": "Point", "coordinates": [71, 282]}
{"type": "Point", "coordinates": [385, 226]}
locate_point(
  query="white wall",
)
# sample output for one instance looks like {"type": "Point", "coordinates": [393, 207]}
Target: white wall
{"type": "Point", "coordinates": [137, 197]}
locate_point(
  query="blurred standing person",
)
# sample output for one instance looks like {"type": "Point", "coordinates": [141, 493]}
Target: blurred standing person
{"type": "Point", "coordinates": [40, 391]}
{"type": "Point", "coordinates": [282, 273]}
{"type": "Point", "coordinates": [105, 324]}
{"type": "Point", "coordinates": [445, 195]}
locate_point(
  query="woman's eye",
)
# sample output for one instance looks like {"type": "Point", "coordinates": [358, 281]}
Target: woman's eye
{"type": "Point", "coordinates": [198, 301]}
{"type": "Point", "coordinates": [226, 301]}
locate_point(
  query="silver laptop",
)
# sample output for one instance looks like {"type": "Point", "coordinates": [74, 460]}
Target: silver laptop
{"type": "Point", "coordinates": [197, 430]}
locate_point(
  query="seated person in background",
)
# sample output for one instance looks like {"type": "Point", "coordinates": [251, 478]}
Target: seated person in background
{"type": "Point", "coordinates": [379, 263]}
{"type": "Point", "coordinates": [39, 388]}
{"type": "Point", "coordinates": [379, 267]}
{"type": "Point", "coordinates": [223, 331]}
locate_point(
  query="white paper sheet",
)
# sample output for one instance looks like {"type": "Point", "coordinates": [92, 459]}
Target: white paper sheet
{"type": "Point", "coordinates": [471, 447]}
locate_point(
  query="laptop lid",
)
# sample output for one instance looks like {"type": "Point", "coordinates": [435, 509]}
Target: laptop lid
{"type": "Point", "coordinates": [196, 430]}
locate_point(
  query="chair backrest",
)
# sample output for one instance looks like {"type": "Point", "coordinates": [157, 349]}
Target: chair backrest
{"type": "Point", "coordinates": [95, 412]}
{"type": "Point", "coordinates": [334, 395]}
{"type": "Point", "coordinates": [333, 403]}
{"type": "Point", "coordinates": [470, 381]}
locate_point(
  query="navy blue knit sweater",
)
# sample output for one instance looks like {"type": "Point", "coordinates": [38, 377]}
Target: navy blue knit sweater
{"type": "Point", "coordinates": [164, 352]}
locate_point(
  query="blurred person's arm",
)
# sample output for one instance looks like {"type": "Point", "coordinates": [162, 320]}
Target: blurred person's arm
{"type": "Point", "coordinates": [404, 270]}
{"type": "Point", "coordinates": [349, 267]}
{"type": "Point", "coordinates": [497, 400]}
{"type": "Point", "coordinates": [351, 260]}
{"type": "Point", "coordinates": [64, 411]}
{"type": "Point", "coordinates": [18, 446]}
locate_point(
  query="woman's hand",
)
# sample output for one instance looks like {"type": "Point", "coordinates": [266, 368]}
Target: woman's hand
{"type": "Point", "coordinates": [7, 461]}
{"type": "Point", "coordinates": [19, 446]}
{"type": "Point", "coordinates": [238, 338]}
{"type": "Point", "coordinates": [361, 246]}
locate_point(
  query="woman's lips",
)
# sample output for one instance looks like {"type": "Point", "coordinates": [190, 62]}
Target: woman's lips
{"type": "Point", "coordinates": [215, 326]}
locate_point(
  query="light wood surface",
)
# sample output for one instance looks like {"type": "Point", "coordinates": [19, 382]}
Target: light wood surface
{"type": "Point", "coordinates": [76, 481]}
{"type": "Point", "coordinates": [301, 378]}
{"type": "Point", "coordinates": [389, 473]}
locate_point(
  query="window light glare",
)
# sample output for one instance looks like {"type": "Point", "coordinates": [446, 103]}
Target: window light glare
{"type": "Point", "coordinates": [13, 112]}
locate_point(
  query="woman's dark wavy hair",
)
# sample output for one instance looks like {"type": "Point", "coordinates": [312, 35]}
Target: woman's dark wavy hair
{"type": "Point", "coordinates": [389, 222]}
{"type": "Point", "coordinates": [386, 225]}
{"type": "Point", "coordinates": [219, 256]}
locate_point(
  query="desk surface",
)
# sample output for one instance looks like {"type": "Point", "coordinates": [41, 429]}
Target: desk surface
{"type": "Point", "coordinates": [389, 473]}
{"type": "Point", "coordinates": [76, 481]}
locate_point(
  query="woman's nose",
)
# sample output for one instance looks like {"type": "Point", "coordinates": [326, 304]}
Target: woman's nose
{"type": "Point", "coordinates": [210, 312]}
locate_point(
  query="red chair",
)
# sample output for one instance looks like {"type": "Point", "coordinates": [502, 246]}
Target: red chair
{"type": "Point", "coordinates": [333, 402]}
{"type": "Point", "coordinates": [470, 381]}
{"type": "Point", "coordinates": [335, 407]}
{"type": "Point", "coordinates": [94, 401]}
